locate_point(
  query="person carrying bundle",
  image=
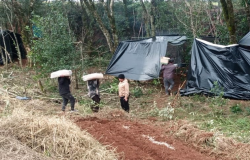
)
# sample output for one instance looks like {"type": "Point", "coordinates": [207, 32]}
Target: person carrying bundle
{"type": "Point", "coordinates": [94, 94]}
{"type": "Point", "coordinates": [168, 75]}
{"type": "Point", "coordinates": [64, 91]}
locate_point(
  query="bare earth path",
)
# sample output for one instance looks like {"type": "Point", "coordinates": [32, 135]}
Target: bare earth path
{"type": "Point", "coordinates": [137, 141]}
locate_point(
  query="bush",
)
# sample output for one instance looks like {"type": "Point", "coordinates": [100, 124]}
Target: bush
{"type": "Point", "coordinates": [236, 109]}
{"type": "Point", "coordinates": [54, 50]}
{"type": "Point", "coordinates": [110, 87]}
{"type": "Point", "coordinates": [137, 92]}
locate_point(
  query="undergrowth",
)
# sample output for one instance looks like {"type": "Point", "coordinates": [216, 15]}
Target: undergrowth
{"type": "Point", "coordinates": [229, 117]}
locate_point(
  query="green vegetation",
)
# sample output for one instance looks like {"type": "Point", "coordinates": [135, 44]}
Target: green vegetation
{"type": "Point", "coordinates": [137, 92]}
{"type": "Point", "coordinates": [55, 49]}
{"type": "Point", "coordinates": [72, 35]}
{"type": "Point", "coordinates": [236, 109]}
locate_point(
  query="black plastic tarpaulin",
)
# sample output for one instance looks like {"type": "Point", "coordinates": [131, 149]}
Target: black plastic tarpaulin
{"type": "Point", "coordinates": [245, 41]}
{"type": "Point", "coordinates": [216, 66]}
{"type": "Point", "coordinates": [8, 41]}
{"type": "Point", "coordinates": [140, 59]}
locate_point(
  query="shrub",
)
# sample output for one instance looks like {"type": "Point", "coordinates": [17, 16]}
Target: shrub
{"type": "Point", "coordinates": [137, 92]}
{"type": "Point", "coordinates": [236, 108]}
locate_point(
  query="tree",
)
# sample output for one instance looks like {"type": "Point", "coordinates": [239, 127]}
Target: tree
{"type": "Point", "coordinates": [152, 16]}
{"type": "Point", "coordinates": [246, 4]}
{"type": "Point", "coordinates": [149, 17]}
{"type": "Point", "coordinates": [146, 18]}
{"type": "Point", "coordinates": [55, 49]}
{"type": "Point", "coordinates": [125, 3]}
{"type": "Point", "coordinates": [228, 12]}
{"type": "Point", "coordinates": [192, 17]}
{"type": "Point", "coordinates": [112, 39]}
{"type": "Point", "coordinates": [9, 10]}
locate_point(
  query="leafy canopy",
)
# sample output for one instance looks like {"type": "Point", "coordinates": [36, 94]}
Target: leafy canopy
{"type": "Point", "coordinates": [54, 50]}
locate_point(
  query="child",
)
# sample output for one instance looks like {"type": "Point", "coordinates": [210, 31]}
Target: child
{"type": "Point", "coordinates": [123, 92]}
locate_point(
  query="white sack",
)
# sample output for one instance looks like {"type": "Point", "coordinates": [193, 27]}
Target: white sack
{"type": "Point", "coordinates": [61, 73]}
{"type": "Point", "coordinates": [164, 60]}
{"type": "Point", "coordinates": [92, 76]}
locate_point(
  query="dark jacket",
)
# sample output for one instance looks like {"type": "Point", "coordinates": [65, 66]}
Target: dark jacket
{"type": "Point", "coordinates": [93, 87]}
{"type": "Point", "coordinates": [64, 83]}
{"type": "Point", "coordinates": [168, 70]}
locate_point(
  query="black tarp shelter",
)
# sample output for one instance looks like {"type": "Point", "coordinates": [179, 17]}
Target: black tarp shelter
{"type": "Point", "coordinates": [8, 41]}
{"type": "Point", "coordinates": [226, 66]}
{"type": "Point", "coordinates": [140, 59]}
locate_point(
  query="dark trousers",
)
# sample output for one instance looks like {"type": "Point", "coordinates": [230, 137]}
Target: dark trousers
{"type": "Point", "coordinates": [124, 104]}
{"type": "Point", "coordinates": [68, 97]}
{"type": "Point", "coordinates": [95, 107]}
{"type": "Point", "coordinates": [168, 83]}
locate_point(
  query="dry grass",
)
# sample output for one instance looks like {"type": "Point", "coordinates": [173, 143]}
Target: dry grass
{"type": "Point", "coordinates": [27, 133]}
{"type": "Point", "coordinates": [212, 143]}
{"type": "Point", "coordinates": [11, 149]}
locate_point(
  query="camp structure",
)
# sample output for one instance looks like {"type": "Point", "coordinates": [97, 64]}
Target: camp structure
{"type": "Point", "coordinates": [8, 46]}
{"type": "Point", "coordinates": [217, 69]}
{"type": "Point", "coordinates": [140, 59]}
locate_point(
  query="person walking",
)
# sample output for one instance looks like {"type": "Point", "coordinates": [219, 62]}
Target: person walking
{"type": "Point", "coordinates": [123, 87]}
{"type": "Point", "coordinates": [168, 75]}
{"type": "Point", "coordinates": [94, 94]}
{"type": "Point", "coordinates": [64, 91]}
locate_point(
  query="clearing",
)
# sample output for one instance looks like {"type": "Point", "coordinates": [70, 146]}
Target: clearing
{"type": "Point", "coordinates": [151, 131]}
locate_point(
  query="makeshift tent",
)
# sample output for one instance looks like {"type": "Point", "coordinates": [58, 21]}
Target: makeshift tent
{"type": "Point", "coordinates": [140, 59]}
{"type": "Point", "coordinates": [8, 41]}
{"type": "Point", "coordinates": [214, 67]}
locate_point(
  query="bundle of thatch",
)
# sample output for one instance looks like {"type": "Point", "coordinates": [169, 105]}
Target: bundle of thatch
{"type": "Point", "coordinates": [55, 137]}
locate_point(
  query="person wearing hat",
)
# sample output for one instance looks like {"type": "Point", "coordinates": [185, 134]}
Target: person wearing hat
{"type": "Point", "coordinates": [123, 87]}
{"type": "Point", "coordinates": [168, 75]}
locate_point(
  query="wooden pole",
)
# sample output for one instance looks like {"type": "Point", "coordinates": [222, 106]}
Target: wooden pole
{"type": "Point", "coordinates": [177, 95]}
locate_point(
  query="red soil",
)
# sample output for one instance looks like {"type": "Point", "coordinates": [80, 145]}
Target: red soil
{"type": "Point", "coordinates": [134, 140]}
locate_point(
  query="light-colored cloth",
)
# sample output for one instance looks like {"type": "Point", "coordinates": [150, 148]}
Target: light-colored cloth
{"type": "Point", "coordinates": [168, 70]}
{"type": "Point", "coordinates": [123, 88]}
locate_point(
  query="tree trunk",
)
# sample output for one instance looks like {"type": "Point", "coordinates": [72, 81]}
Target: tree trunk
{"type": "Point", "coordinates": [126, 15]}
{"type": "Point", "coordinates": [247, 12]}
{"type": "Point", "coordinates": [228, 12]}
{"type": "Point", "coordinates": [91, 7]}
{"type": "Point", "coordinates": [146, 19]}
{"type": "Point", "coordinates": [109, 9]}
{"type": "Point", "coordinates": [152, 17]}
{"type": "Point", "coordinates": [77, 86]}
{"type": "Point", "coordinates": [10, 19]}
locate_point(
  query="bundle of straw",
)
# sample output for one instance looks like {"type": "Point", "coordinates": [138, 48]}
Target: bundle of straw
{"type": "Point", "coordinates": [55, 137]}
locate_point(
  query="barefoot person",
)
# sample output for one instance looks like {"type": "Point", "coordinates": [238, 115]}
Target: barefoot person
{"type": "Point", "coordinates": [64, 91]}
{"type": "Point", "coordinates": [123, 92]}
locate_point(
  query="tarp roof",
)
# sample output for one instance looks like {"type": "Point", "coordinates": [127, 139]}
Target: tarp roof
{"type": "Point", "coordinates": [228, 66]}
{"type": "Point", "coordinates": [245, 41]}
{"type": "Point", "coordinates": [140, 59]}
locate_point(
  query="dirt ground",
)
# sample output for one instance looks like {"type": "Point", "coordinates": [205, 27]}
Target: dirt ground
{"type": "Point", "coordinates": [135, 140]}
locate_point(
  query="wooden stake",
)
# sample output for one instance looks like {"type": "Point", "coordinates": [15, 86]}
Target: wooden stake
{"type": "Point", "coordinates": [177, 95]}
